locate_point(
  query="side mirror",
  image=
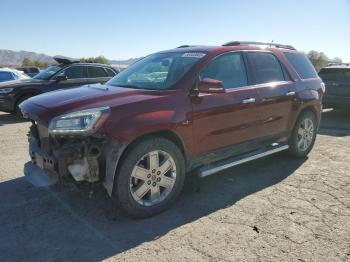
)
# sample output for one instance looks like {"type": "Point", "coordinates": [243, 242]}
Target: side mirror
{"type": "Point", "coordinates": [209, 86]}
{"type": "Point", "coordinates": [60, 78]}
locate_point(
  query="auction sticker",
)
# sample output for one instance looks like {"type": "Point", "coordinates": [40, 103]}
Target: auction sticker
{"type": "Point", "coordinates": [194, 55]}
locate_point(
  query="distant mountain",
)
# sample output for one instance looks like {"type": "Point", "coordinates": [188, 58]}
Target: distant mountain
{"type": "Point", "coordinates": [124, 62]}
{"type": "Point", "coordinates": [15, 58]}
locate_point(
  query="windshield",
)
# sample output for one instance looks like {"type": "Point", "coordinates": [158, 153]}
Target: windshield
{"type": "Point", "coordinates": [158, 71]}
{"type": "Point", "coordinates": [22, 75]}
{"type": "Point", "coordinates": [47, 73]}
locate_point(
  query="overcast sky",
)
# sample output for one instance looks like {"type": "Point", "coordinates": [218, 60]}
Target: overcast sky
{"type": "Point", "coordinates": [130, 28]}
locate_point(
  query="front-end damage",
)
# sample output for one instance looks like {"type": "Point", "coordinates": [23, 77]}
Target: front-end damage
{"type": "Point", "coordinates": [90, 158]}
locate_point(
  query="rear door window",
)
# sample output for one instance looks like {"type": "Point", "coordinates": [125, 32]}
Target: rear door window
{"type": "Point", "coordinates": [266, 68]}
{"type": "Point", "coordinates": [96, 72]}
{"type": "Point", "coordinates": [228, 68]}
{"type": "Point", "coordinates": [302, 65]}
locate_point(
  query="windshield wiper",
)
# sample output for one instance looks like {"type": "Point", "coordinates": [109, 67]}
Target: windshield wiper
{"type": "Point", "coordinates": [128, 86]}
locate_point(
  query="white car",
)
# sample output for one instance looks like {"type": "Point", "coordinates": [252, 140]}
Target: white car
{"type": "Point", "coordinates": [8, 74]}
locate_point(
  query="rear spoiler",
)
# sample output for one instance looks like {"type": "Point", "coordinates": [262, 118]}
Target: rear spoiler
{"type": "Point", "coordinates": [65, 60]}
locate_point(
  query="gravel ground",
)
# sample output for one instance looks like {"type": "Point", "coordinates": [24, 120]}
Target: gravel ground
{"type": "Point", "coordinates": [273, 209]}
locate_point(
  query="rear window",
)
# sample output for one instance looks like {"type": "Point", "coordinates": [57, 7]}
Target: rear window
{"type": "Point", "coordinates": [266, 68]}
{"type": "Point", "coordinates": [302, 65]}
{"type": "Point", "coordinates": [110, 72]}
{"type": "Point", "coordinates": [335, 74]}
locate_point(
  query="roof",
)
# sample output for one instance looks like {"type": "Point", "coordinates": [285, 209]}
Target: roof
{"type": "Point", "coordinates": [235, 45]}
{"type": "Point", "coordinates": [5, 69]}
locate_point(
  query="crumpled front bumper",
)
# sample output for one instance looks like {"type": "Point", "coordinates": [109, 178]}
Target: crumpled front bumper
{"type": "Point", "coordinates": [40, 170]}
{"type": "Point", "coordinates": [87, 159]}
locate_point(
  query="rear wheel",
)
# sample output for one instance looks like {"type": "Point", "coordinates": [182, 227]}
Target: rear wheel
{"type": "Point", "coordinates": [304, 135]}
{"type": "Point", "coordinates": [150, 178]}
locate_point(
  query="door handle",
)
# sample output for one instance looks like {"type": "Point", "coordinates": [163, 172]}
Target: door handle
{"type": "Point", "coordinates": [290, 93]}
{"type": "Point", "coordinates": [248, 100]}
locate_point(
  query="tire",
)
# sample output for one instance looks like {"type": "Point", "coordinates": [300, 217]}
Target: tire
{"type": "Point", "coordinates": [128, 188]}
{"type": "Point", "coordinates": [301, 142]}
{"type": "Point", "coordinates": [17, 109]}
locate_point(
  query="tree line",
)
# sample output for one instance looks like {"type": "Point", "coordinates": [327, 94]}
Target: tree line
{"type": "Point", "coordinates": [318, 59]}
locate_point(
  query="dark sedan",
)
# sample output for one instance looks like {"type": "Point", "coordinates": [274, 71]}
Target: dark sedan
{"type": "Point", "coordinates": [66, 74]}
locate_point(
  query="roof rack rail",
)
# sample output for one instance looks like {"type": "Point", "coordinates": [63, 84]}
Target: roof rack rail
{"type": "Point", "coordinates": [183, 46]}
{"type": "Point", "coordinates": [233, 43]}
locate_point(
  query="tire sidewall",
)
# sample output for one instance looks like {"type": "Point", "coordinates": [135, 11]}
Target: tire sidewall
{"type": "Point", "coordinates": [122, 183]}
{"type": "Point", "coordinates": [294, 149]}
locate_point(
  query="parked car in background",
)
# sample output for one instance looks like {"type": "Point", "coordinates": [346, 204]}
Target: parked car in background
{"type": "Point", "coordinates": [66, 74]}
{"type": "Point", "coordinates": [8, 74]}
{"type": "Point", "coordinates": [337, 80]}
{"type": "Point", "coordinates": [189, 108]}
{"type": "Point", "coordinates": [29, 70]}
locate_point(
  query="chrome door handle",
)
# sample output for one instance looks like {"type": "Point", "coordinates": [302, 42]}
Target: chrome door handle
{"type": "Point", "coordinates": [248, 101]}
{"type": "Point", "coordinates": [290, 93]}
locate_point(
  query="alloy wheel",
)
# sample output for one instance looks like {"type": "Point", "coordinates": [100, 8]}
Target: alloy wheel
{"type": "Point", "coordinates": [153, 178]}
{"type": "Point", "coordinates": [305, 134]}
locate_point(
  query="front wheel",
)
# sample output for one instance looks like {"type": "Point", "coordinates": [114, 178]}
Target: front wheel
{"type": "Point", "coordinates": [304, 134]}
{"type": "Point", "coordinates": [17, 109]}
{"type": "Point", "coordinates": [150, 178]}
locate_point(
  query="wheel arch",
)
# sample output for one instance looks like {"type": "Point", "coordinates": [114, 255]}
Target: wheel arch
{"type": "Point", "coordinates": [28, 93]}
{"type": "Point", "coordinates": [309, 108]}
{"type": "Point", "coordinates": [167, 134]}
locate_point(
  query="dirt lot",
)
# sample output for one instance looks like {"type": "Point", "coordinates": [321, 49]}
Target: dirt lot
{"type": "Point", "coordinates": [275, 209]}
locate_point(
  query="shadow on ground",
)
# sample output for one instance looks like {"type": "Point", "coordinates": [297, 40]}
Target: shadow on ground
{"type": "Point", "coordinates": [65, 224]}
{"type": "Point", "coordinates": [335, 123]}
{"type": "Point", "coordinates": [6, 119]}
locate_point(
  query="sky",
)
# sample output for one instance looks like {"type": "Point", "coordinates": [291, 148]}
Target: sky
{"type": "Point", "coordinates": [134, 28]}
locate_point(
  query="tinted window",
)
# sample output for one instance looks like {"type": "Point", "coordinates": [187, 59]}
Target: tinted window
{"type": "Point", "coordinates": [335, 74]}
{"type": "Point", "coordinates": [266, 68]}
{"type": "Point", "coordinates": [302, 65]}
{"type": "Point", "coordinates": [96, 71]}
{"type": "Point", "coordinates": [48, 73]}
{"type": "Point", "coordinates": [110, 72]}
{"type": "Point", "coordinates": [34, 70]}
{"type": "Point", "coordinates": [75, 72]}
{"type": "Point", "coordinates": [4, 76]}
{"type": "Point", "coordinates": [228, 68]}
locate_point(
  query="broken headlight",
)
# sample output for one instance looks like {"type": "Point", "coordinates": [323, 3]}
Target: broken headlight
{"type": "Point", "coordinates": [80, 122]}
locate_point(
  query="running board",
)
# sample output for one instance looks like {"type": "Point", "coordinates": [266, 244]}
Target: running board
{"type": "Point", "coordinates": [217, 167]}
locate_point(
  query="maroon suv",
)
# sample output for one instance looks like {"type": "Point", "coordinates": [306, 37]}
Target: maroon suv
{"type": "Point", "coordinates": [191, 108]}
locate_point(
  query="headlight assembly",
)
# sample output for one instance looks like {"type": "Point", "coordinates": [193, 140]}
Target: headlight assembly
{"type": "Point", "coordinates": [81, 122]}
{"type": "Point", "coordinates": [6, 90]}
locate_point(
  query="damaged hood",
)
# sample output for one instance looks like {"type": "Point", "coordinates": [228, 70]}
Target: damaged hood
{"type": "Point", "coordinates": [46, 106]}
